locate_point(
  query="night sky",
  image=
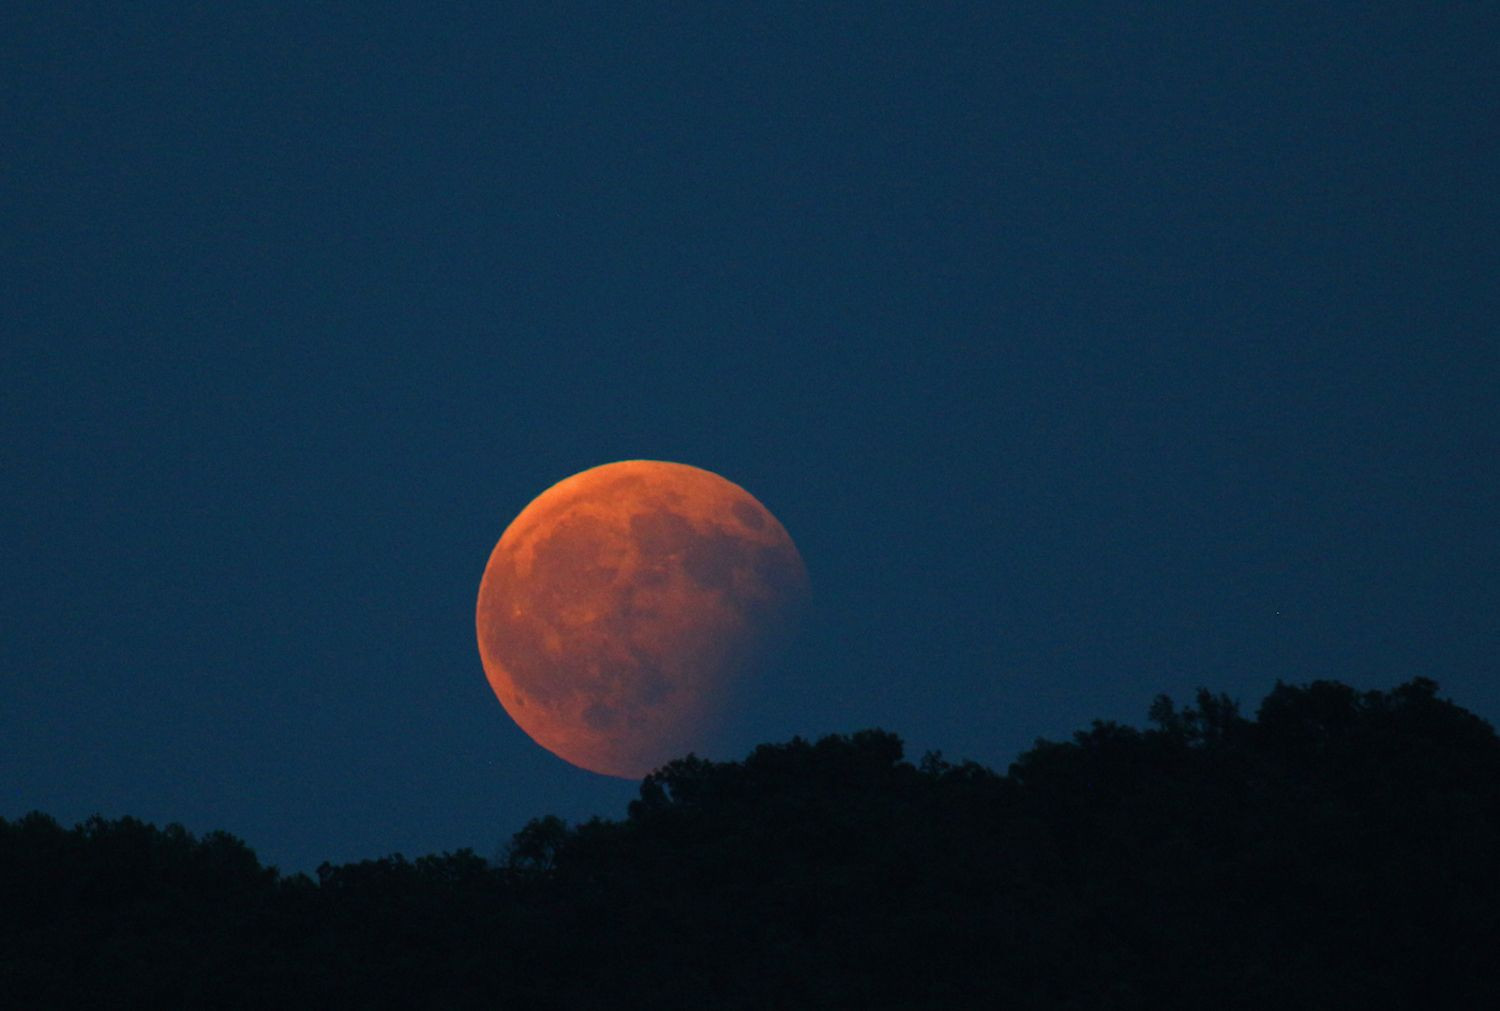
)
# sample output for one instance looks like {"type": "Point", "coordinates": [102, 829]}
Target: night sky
{"type": "Point", "coordinates": [1088, 352]}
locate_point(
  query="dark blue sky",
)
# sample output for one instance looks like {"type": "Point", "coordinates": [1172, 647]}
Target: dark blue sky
{"type": "Point", "coordinates": [1087, 352]}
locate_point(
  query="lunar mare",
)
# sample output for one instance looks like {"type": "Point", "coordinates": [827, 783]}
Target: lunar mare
{"type": "Point", "coordinates": [622, 609]}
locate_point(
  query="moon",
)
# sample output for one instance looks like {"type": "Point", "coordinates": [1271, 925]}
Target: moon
{"type": "Point", "coordinates": [624, 608]}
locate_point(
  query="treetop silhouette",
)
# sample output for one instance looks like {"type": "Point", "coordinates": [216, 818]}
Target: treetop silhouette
{"type": "Point", "coordinates": [1337, 849]}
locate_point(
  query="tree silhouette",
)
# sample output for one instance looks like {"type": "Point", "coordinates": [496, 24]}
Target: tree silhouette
{"type": "Point", "coordinates": [1336, 850]}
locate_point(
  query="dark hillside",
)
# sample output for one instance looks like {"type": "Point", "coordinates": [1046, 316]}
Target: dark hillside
{"type": "Point", "coordinates": [1338, 850]}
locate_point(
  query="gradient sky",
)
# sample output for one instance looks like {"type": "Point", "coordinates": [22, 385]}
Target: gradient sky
{"type": "Point", "coordinates": [1088, 351]}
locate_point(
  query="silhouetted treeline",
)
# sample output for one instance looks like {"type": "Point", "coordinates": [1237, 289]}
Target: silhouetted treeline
{"type": "Point", "coordinates": [1340, 850]}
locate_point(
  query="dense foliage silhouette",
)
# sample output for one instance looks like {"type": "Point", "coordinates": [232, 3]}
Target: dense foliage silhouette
{"type": "Point", "coordinates": [1338, 850]}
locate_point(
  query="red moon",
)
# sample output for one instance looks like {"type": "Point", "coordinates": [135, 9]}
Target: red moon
{"type": "Point", "coordinates": [624, 606]}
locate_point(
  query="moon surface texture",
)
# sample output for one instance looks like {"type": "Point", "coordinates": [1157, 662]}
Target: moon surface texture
{"type": "Point", "coordinates": [624, 608]}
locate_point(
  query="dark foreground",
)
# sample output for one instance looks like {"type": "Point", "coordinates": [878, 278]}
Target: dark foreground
{"type": "Point", "coordinates": [1340, 850]}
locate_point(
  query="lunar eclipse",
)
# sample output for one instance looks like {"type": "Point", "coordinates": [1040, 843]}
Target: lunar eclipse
{"type": "Point", "coordinates": [624, 608]}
